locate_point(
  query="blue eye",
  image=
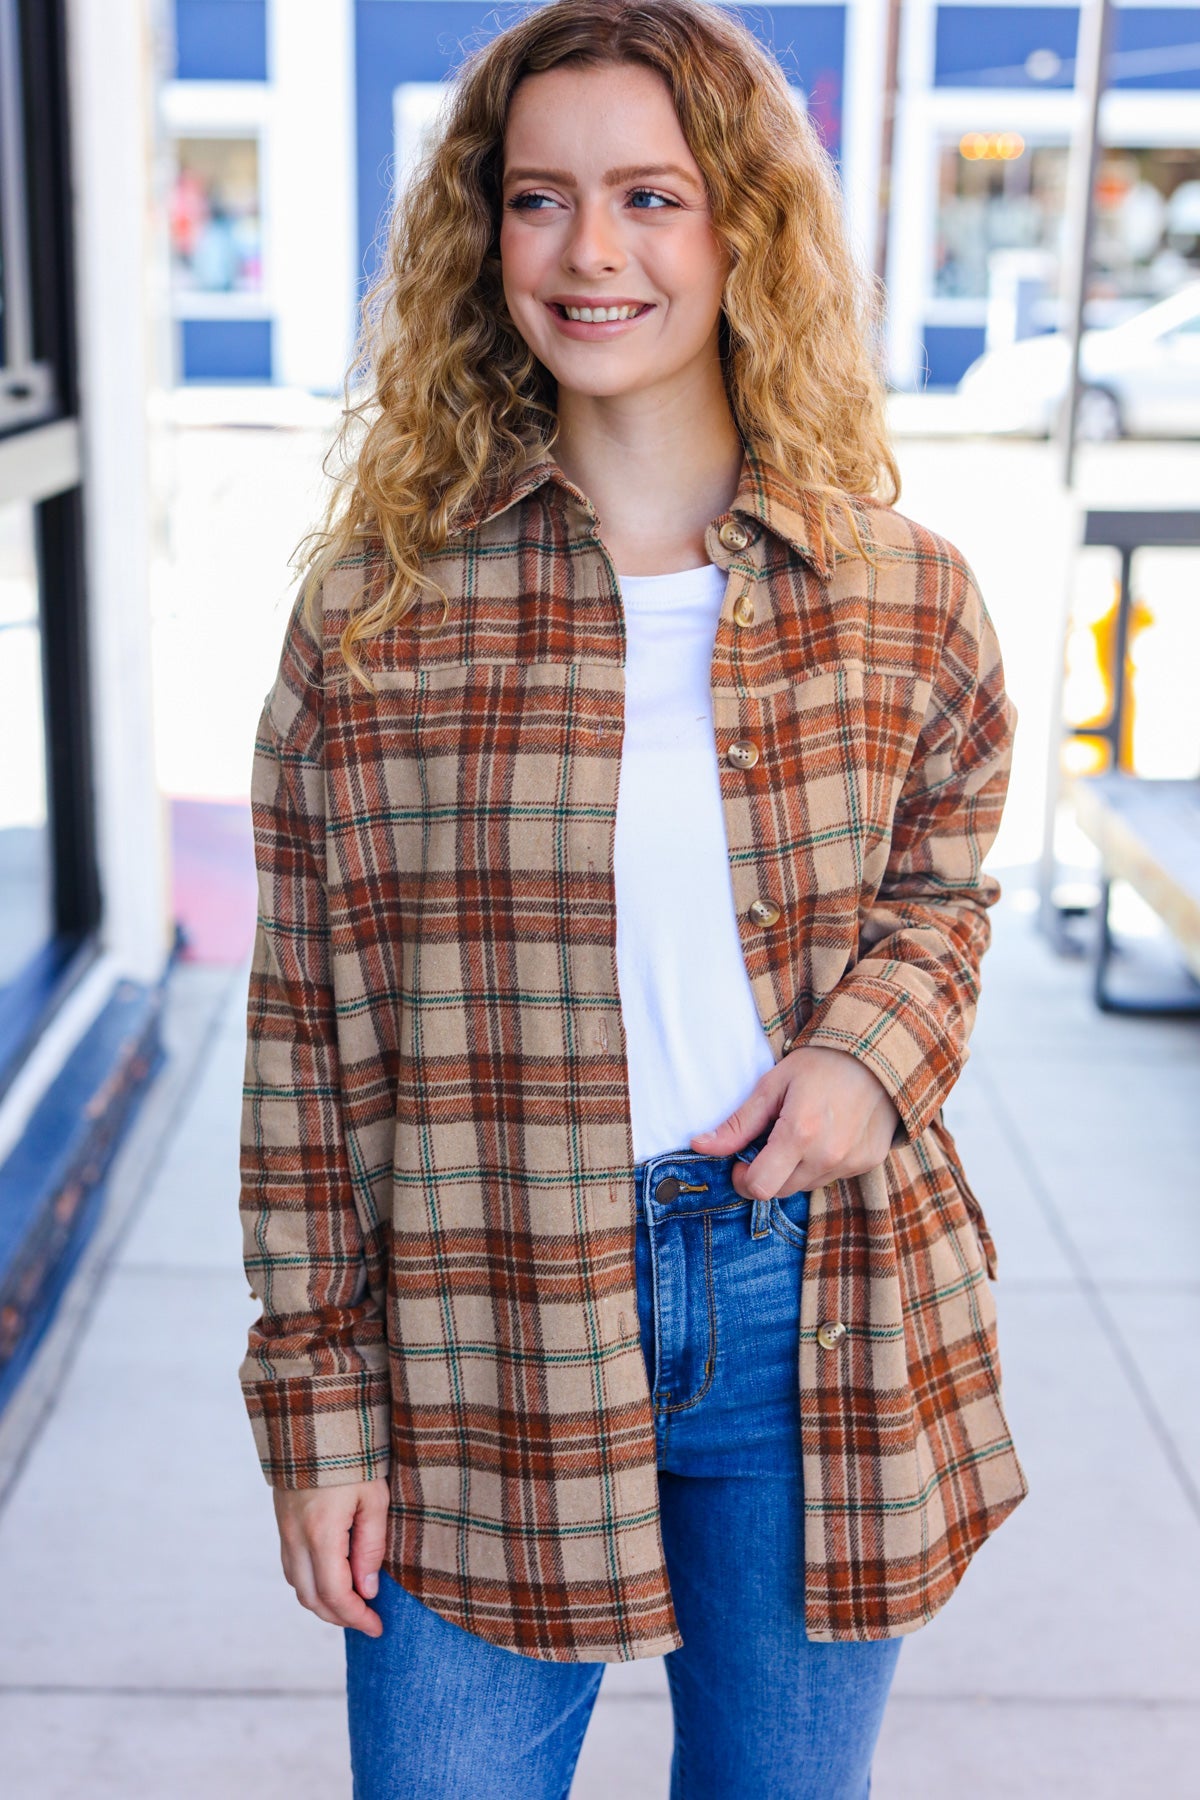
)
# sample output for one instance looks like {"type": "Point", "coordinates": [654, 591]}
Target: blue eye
{"type": "Point", "coordinates": [650, 194]}
{"type": "Point", "coordinates": [520, 202]}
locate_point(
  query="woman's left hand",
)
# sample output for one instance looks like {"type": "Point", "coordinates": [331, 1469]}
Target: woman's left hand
{"type": "Point", "coordinates": [833, 1118]}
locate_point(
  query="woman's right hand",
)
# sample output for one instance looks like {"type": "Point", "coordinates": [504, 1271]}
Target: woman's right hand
{"type": "Point", "coordinates": [332, 1541]}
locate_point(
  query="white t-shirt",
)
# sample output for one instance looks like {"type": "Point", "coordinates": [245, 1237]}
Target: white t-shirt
{"type": "Point", "coordinates": [695, 1043]}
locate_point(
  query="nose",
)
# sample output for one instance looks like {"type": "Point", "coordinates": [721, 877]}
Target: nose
{"type": "Point", "coordinates": [594, 246]}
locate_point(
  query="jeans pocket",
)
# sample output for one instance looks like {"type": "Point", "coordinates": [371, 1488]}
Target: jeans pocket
{"type": "Point", "coordinates": [789, 1216]}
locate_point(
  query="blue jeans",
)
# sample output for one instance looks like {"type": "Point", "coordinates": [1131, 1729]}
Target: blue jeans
{"type": "Point", "coordinates": [437, 1713]}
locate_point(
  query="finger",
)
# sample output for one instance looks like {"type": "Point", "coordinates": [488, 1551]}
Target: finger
{"type": "Point", "coordinates": [303, 1581]}
{"type": "Point", "coordinates": [335, 1590]}
{"type": "Point", "coordinates": [368, 1541]}
{"type": "Point", "coordinates": [744, 1123]}
{"type": "Point", "coordinates": [754, 1181]}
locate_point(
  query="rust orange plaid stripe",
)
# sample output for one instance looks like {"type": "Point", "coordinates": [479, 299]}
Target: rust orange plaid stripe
{"type": "Point", "coordinates": [437, 1162]}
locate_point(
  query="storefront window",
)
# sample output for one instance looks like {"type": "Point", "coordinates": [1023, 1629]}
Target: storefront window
{"type": "Point", "coordinates": [993, 202]}
{"type": "Point", "coordinates": [26, 900]}
{"type": "Point", "coordinates": [1147, 240]}
{"type": "Point", "coordinates": [1147, 230]}
{"type": "Point", "coordinates": [215, 216]}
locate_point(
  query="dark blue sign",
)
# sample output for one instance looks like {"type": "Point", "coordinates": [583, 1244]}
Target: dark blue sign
{"type": "Point", "coordinates": [1155, 47]}
{"type": "Point", "coordinates": [221, 40]}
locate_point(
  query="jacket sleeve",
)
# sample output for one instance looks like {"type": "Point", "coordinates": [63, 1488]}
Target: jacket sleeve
{"type": "Point", "coordinates": [907, 1006]}
{"type": "Point", "coordinates": [315, 1374]}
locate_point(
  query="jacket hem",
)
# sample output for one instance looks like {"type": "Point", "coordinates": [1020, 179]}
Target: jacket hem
{"type": "Point", "coordinates": [630, 1650]}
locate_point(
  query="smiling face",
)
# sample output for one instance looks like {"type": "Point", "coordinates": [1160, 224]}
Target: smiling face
{"type": "Point", "coordinates": [611, 269]}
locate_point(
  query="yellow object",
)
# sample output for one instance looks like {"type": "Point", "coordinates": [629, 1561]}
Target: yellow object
{"type": "Point", "coordinates": [991, 146]}
{"type": "Point", "coordinates": [1088, 687]}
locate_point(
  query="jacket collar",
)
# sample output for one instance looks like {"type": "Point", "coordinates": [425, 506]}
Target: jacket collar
{"type": "Point", "coordinates": [787, 507]}
{"type": "Point", "coordinates": [765, 494]}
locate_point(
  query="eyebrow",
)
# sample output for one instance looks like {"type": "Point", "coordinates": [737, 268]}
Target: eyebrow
{"type": "Point", "coordinates": [611, 178]}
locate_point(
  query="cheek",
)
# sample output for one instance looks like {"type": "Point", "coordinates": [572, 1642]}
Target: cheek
{"type": "Point", "coordinates": [713, 267]}
{"type": "Point", "coordinates": [697, 278]}
{"type": "Point", "coordinates": [520, 264]}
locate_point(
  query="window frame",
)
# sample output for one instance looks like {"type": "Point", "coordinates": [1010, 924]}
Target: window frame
{"type": "Point", "coordinates": [41, 465]}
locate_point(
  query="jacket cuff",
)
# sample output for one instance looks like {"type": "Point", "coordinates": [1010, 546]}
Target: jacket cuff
{"type": "Point", "coordinates": [321, 1431]}
{"type": "Point", "coordinates": [899, 1039]}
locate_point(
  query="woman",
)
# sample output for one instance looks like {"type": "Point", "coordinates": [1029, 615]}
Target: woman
{"type": "Point", "coordinates": [619, 827]}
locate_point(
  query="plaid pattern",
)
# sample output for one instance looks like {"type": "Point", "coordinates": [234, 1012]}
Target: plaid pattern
{"type": "Point", "coordinates": [437, 1173]}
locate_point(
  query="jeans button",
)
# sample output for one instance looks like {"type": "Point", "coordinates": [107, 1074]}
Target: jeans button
{"type": "Point", "coordinates": [668, 1189]}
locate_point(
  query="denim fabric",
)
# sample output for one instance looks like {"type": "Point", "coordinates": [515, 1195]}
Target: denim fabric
{"type": "Point", "coordinates": [437, 1713]}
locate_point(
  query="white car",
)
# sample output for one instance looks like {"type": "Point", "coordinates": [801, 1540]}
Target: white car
{"type": "Point", "coordinates": [1138, 379]}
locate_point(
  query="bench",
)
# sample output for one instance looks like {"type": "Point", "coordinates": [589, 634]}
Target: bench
{"type": "Point", "coordinates": [1147, 831]}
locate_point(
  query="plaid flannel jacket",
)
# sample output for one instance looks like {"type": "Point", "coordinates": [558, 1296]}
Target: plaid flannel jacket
{"type": "Point", "coordinates": [437, 1166]}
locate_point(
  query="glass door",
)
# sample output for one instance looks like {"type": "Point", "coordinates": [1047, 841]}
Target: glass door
{"type": "Point", "coordinates": [49, 889]}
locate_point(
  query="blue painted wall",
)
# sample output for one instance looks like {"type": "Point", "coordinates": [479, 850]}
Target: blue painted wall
{"type": "Point", "coordinates": [221, 40]}
{"type": "Point", "coordinates": [425, 40]}
{"type": "Point", "coordinates": [987, 46]}
{"type": "Point", "coordinates": [225, 350]}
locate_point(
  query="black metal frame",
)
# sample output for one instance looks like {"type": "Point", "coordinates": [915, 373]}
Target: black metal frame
{"type": "Point", "coordinates": [59, 547]}
{"type": "Point", "coordinates": [1126, 532]}
{"type": "Point", "coordinates": [48, 192]}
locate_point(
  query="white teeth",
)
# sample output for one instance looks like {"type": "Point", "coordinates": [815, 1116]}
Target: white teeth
{"type": "Point", "coordinates": [591, 315]}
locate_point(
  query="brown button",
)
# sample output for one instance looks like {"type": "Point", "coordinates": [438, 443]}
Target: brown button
{"type": "Point", "coordinates": [830, 1334]}
{"type": "Point", "coordinates": [763, 912]}
{"type": "Point", "coordinates": [742, 754]}
{"type": "Point", "coordinates": [668, 1189]}
{"type": "Point", "coordinates": [743, 612]}
{"type": "Point", "coordinates": [733, 535]}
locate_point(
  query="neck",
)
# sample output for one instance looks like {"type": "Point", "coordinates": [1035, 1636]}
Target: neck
{"type": "Point", "coordinates": [655, 473]}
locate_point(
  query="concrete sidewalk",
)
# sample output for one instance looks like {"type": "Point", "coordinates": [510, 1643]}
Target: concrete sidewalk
{"type": "Point", "coordinates": [152, 1650]}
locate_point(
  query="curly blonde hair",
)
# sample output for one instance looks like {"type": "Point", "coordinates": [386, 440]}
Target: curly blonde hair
{"type": "Point", "coordinates": [452, 396]}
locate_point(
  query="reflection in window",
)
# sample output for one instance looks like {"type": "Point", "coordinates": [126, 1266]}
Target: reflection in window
{"type": "Point", "coordinates": [26, 901]}
{"type": "Point", "coordinates": [215, 216]}
{"type": "Point", "coordinates": [1147, 227]}
{"type": "Point", "coordinates": [1147, 222]}
{"type": "Point", "coordinates": [990, 204]}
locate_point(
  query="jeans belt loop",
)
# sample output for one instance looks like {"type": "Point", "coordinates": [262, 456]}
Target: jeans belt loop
{"type": "Point", "coordinates": [760, 1219]}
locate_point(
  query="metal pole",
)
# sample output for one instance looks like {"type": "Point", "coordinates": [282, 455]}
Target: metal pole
{"type": "Point", "coordinates": [1091, 63]}
{"type": "Point", "coordinates": [887, 137]}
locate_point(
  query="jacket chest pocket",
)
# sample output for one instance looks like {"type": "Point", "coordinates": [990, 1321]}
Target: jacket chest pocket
{"type": "Point", "coordinates": [811, 813]}
{"type": "Point", "coordinates": [497, 777]}
{"type": "Point", "coordinates": [810, 817]}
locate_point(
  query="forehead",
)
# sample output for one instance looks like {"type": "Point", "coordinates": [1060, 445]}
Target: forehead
{"type": "Point", "coordinates": [586, 113]}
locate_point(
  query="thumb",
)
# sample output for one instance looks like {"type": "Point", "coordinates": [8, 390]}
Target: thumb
{"type": "Point", "coordinates": [744, 1123]}
{"type": "Point", "coordinates": [368, 1540]}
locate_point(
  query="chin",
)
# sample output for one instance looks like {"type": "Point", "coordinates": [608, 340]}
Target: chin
{"type": "Point", "coordinates": [598, 390]}
{"type": "Point", "coordinates": [585, 375]}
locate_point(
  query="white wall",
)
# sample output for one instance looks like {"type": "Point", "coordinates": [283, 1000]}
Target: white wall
{"type": "Point", "coordinates": [111, 50]}
{"type": "Point", "coordinates": [862, 121]}
{"type": "Point", "coordinates": [308, 190]}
